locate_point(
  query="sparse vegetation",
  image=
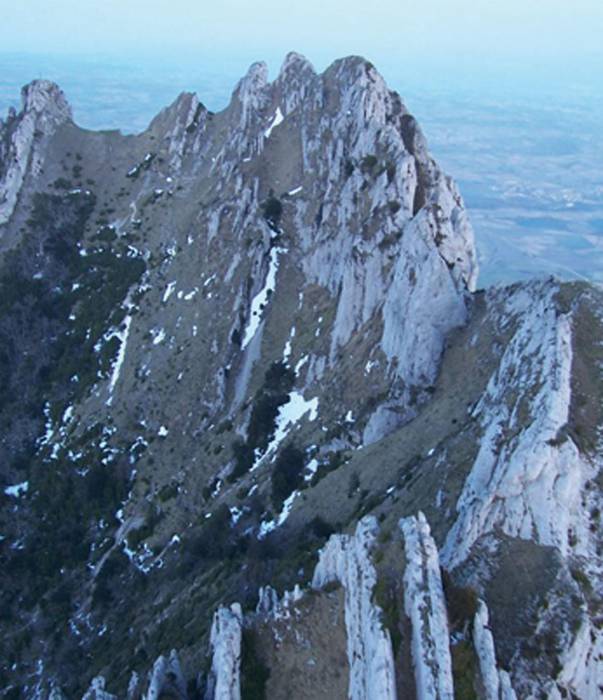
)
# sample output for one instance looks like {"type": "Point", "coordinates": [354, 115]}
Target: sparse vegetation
{"type": "Point", "coordinates": [254, 673]}
{"type": "Point", "coordinates": [272, 210]}
{"type": "Point", "coordinates": [464, 670]}
{"type": "Point", "coordinates": [387, 594]}
{"type": "Point", "coordinates": [461, 602]}
{"type": "Point", "coordinates": [368, 163]}
{"type": "Point", "coordinates": [286, 474]}
{"type": "Point", "coordinates": [278, 382]}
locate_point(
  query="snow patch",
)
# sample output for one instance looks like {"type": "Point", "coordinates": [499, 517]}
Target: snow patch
{"type": "Point", "coordinates": [169, 290]}
{"type": "Point", "coordinates": [158, 336]}
{"type": "Point", "coordinates": [122, 335]}
{"type": "Point", "coordinates": [278, 118]}
{"type": "Point", "coordinates": [17, 490]}
{"type": "Point", "coordinates": [289, 414]}
{"type": "Point", "coordinates": [261, 298]}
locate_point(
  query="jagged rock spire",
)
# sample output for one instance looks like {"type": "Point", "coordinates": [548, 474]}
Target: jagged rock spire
{"type": "Point", "coordinates": [46, 99]}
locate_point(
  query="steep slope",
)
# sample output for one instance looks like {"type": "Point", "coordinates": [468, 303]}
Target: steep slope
{"type": "Point", "coordinates": [233, 335]}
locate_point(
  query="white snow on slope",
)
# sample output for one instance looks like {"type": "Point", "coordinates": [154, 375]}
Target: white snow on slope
{"type": "Point", "coordinates": [278, 118]}
{"type": "Point", "coordinates": [288, 348]}
{"type": "Point", "coordinates": [289, 414]}
{"type": "Point", "coordinates": [158, 336]}
{"type": "Point", "coordinates": [122, 335]}
{"type": "Point", "coordinates": [270, 525]}
{"type": "Point", "coordinates": [17, 490]}
{"type": "Point", "coordinates": [169, 290]}
{"type": "Point", "coordinates": [261, 298]}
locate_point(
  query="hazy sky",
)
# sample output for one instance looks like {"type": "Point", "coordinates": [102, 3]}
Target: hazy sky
{"type": "Point", "coordinates": [537, 32]}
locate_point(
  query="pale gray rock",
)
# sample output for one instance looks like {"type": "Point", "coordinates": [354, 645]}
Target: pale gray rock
{"type": "Point", "coordinates": [97, 691]}
{"type": "Point", "coordinates": [425, 605]}
{"type": "Point", "coordinates": [270, 605]}
{"type": "Point", "coordinates": [497, 683]}
{"type": "Point", "coordinates": [44, 108]}
{"type": "Point", "coordinates": [225, 638]}
{"type": "Point", "coordinates": [347, 560]}
{"type": "Point", "coordinates": [166, 678]}
{"type": "Point", "coordinates": [133, 687]}
{"type": "Point", "coordinates": [532, 485]}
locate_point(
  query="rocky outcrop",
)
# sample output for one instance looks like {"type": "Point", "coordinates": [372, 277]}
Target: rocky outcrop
{"type": "Point", "coordinates": [425, 605]}
{"type": "Point", "coordinates": [180, 129]}
{"type": "Point", "coordinates": [166, 678]}
{"type": "Point", "coordinates": [496, 681]}
{"type": "Point", "coordinates": [346, 559]}
{"type": "Point", "coordinates": [269, 603]}
{"type": "Point", "coordinates": [226, 634]}
{"type": "Point", "coordinates": [97, 690]}
{"type": "Point", "coordinates": [44, 108]}
{"type": "Point", "coordinates": [581, 664]}
{"type": "Point", "coordinates": [528, 477]}
{"type": "Point", "coordinates": [391, 237]}
{"type": "Point", "coordinates": [373, 219]}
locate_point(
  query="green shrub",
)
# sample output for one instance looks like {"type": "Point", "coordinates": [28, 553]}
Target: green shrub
{"type": "Point", "coordinates": [254, 673]}
{"type": "Point", "coordinates": [387, 596]}
{"type": "Point", "coordinates": [243, 457]}
{"type": "Point", "coordinates": [464, 670]}
{"type": "Point", "coordinates": [167, 492]}
{"type": "Point", "coordinates": [272, 210]}
{"type": "Point", "coordinates": [321, 528]}
{"type": "Point", "coordinates": [274, 392]}
{"type": "Point", "coordinates": [461, 603]}
{"type": "Point", "coordinates": [215, 538]}
{"type": "Point", "coordinates": [286, 474]}
{"type": "Point", "coordinates": [368, 163]}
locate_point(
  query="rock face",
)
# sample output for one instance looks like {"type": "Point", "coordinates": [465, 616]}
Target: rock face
{"type": "Point", "coordinates": [233, 337]}
{"type": "Point", "coordinates": [97, 690]}
{"type": "Point", "coordinates": [44, 109]}
{"type": "Point", "coordinates": [166, 678]}
{"type": "Point", "coordinates": [532, 484]}
{"type": "Point", "coordinates": [497, 684]}
{"type": "Point", "coordinates": [425, 605]}
{"type": "Point", "coordinates": [225, 639]}
{"type": "Point", "coordinates": [347, 560]}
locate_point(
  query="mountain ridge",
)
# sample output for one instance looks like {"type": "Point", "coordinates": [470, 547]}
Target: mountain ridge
{"type": "Point", "coordinates": [235, 335]}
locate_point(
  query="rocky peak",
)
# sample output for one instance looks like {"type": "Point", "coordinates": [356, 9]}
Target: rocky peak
{"type": "Point", "coordinates": [46, 99]}
{"type": "Point", "coordinates": [360, 86]}
{"type": "Point", "coordinates": [250, 88]}
{"type": "Point", "coordinates": [294, 81]}
{"type": "Point", "coordinates": [295, 64]}
{"type": "Point", "coordinates": [44, 108]}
